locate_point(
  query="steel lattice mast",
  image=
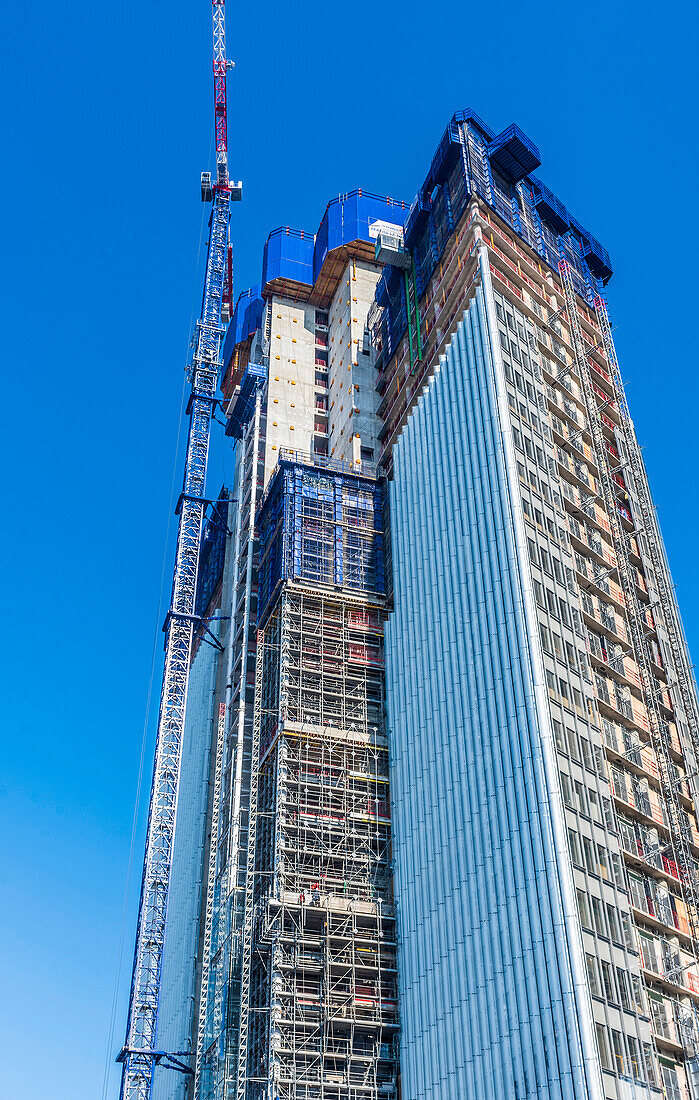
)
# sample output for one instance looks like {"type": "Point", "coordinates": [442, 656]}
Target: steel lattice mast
{"type": "Point", "coordinates": [140, 1054]}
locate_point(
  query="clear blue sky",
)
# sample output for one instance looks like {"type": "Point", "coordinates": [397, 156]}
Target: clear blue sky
{"type": "Point", "coordinates": [107, 125]}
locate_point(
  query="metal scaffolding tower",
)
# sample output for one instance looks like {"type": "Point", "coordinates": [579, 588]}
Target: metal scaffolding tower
{"type": "Point", "coordinates": [663, 611]}
{"type": "Point", "coordinates": [139, 1054]}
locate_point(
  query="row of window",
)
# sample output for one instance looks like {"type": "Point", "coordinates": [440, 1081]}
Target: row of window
{"type": "Point", "coordinates": [584, 801]}
{"type": "Point", "coordinates": [579, 748]}
{"type": "Point", "coordinates": [551, 565]}
{"type": "Point", "coordinates": [530, 449]}
{"type": "Point", "coordinates": [543, 522]}
{"type": "Point", "coordinates": [596, 859]}
{"type": "Point", "coordinates": [566, 694]}
{"type": "Point", "coordinates": [565, 652]}
{"type": "Point", "coordinates": [603, 918]}
{"type": "Point", "coordinates": [615, 985]}
{"type": "Point", "coordinates": [623, 1054]}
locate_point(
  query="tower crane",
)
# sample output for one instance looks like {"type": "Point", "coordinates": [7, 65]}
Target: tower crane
{"type": "Point", "coordinates": [140, 1055]}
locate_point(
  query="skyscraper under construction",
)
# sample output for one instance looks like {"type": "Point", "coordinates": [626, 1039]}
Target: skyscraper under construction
{"type": "Point", "coordinates": [436, 829]}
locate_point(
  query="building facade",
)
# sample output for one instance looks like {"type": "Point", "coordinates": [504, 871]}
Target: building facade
{"type": "Point", "coordinates": [441, 694]}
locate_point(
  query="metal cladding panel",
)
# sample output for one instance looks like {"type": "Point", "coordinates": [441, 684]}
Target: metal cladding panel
{"type": "Point", "coordinates": [182, 929]}
{"type": "Point", "coordinates": [288, 254]}
{"type": "Point", "coordinates": [488, 930]}
{"type": "Point", "coordinates": [348, 217]}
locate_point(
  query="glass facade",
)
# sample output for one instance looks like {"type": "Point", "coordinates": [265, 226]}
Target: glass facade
{"type": "Point", "coordinates": [493, 1001]}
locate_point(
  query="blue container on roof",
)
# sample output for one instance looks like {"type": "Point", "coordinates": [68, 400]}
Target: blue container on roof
{"type": "Point", "coordinates": [347, 219]}
{"type": "Point", "coordinates": [242, 409]}
{"type": "Point", "coordinates": [550, 208]}
{"type": "Point", "coordinates": [514, 153]}
{"type": "Point", "coordinates": [247, 317]}
{"type": "Point", "coordinates": [288, 254]}
{"type": "Point", "coordinates": [448, 152]}
{"type": "Point", "coordinates": [467, 115]}
{"type": "Point", "coordinates": [597, 258]}
{"type": "Point", "coordinates": [418, 216]}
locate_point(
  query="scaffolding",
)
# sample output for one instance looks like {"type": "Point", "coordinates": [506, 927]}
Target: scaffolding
{"type": "Point", "coordinates": [321, 1017]}
{"type": "Point", "coordinates": [649, 616]}
{"type": "Point", "coordinates": [321, 527]}
{"type": "Point", "coordinates": [223, 959]}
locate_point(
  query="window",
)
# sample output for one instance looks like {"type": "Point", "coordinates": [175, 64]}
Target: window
{"type": "Point", "coordinates": [635, 1066]}
{"type": "Point", "coordinates": [598, 916]}
{"type": "Point", "coordinates": [559, 736]}
{"type": "Point", "coordinates": [603, 1046]}
{"type": "Point", "coordinates": [618, 1051]}
{"type": "Point", "coordinates": [650, 1064]}
{"type": "Point", "coordinates": [638, 996]}
{"type": "Point", "coordinates": [627, 930]}
{"type": "Point", "coordinates": [587, 754]}
{"type": "Point", "coordinates": [573, 746]}
{"type": "Point", "coordinates": [580, 797]}
{"type": "Point", "coordinates": [583, 909]}
{"type": "Point", "coordinates": [565, 787]}
{"type": "Point", "coordinates": [322, 318]}
{"type": "Point", "coordinates": [590, 859]}
{"type": "Point", "coordinates": [574, 848]}
{"type": "Point", "coordinates": [367, 454]}
{"type": "Point", "coordinates": [321, 402]}
{"type": "Point", "coordinates": [321, 380]}
{"type": "Point", "coordinates": [607, 981]}
{"type": "Point", "coordinates": [622, 983]}
{"type": "Point", "coordinates": [602, 861]}
{"type": "Point", "coordinates": [546, 645]}
{"type": "Point", "coordinates": [618, 870]}
{"type": "Point", "coordinates": [613, 919]}
{"type": "Point", "coordinates": [592, 975]}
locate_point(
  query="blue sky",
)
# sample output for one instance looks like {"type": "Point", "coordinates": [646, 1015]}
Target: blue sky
{"type": "Point", "coordinates": [107, 125]}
